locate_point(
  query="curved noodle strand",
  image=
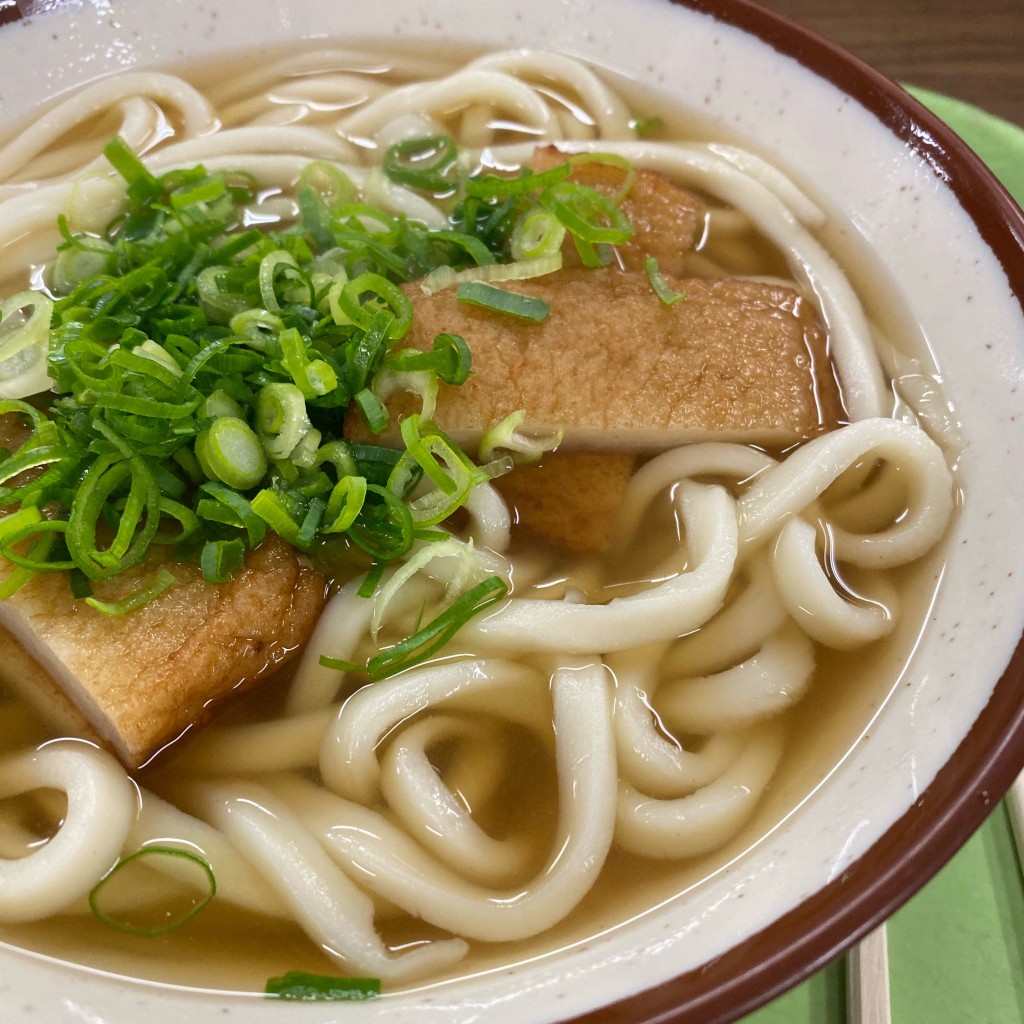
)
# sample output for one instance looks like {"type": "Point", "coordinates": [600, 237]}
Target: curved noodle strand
{"type": "Point", "coordinates": [812, 601]}
{"type": "Point", "coordinates": [662, 612]}
{"type": "Point", "coordinates": [704, 820]}
{"type": "Point", "coordinates": [348, 763]}
{"type": "Point", "coordinates": [101, 805]}
{"type": "Point", "coordinates": [330, 908]}
{"type": "Point", "coordinates": [392, 866]}
{"type": "Point", "coordinates": [794, 484]}
{"type": "Point", "coordinates": [762, 686]}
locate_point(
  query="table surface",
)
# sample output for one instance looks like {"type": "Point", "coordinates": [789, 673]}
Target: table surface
{"type": "Point", "coordinates": [971, 49]}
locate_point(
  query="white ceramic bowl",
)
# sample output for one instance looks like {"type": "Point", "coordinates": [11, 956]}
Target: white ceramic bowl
{"type": "Point", "coordinates": [949, 738]}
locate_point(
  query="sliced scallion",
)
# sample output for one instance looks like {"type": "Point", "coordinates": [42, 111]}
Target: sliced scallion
{"type": "Point", "coordinates": [525, 307]}
{"type": "Point", "coordinates": [152, 931]}
{"type": "Point", "coordinates": [161, 581]}
{"type": "Point", "coordinates": [321, 988]}
{"type": "Point", "coordinates": [662, 289]}
{"type": "Point", "coordinates": [432, 637]}
{"type": "Point", "coordinates": [230, 451]}
{"type": "Point", "coordinates": [422, 163]}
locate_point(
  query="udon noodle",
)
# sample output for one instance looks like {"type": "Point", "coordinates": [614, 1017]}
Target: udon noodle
{"type": "Point", "coordinates": [660, 715]}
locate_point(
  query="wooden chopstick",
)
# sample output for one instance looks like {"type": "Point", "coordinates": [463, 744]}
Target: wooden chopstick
{"type": "Point", "coordinates": [867, 979]}
{"type": "Point", "coordinates": [1015, 805]}
{"type": "Point", "coordinates": [867, 965]}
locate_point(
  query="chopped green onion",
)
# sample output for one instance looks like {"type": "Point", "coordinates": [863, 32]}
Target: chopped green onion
{"type": "Point", "coordinates": [240, 509]}
{"type": "Point", "coordinates": [329, 182]}
{"type": "Point", "coordinates": [383, 294]}
{"type": "Point", "coordinates": [258, 326]}
{"type": "Point", "coordinates": [428, 641]}
{"type": "Point", "coordinates": [142, 186]}
{"type": "Point", "coordinates": [589, 215]}
{"type": "Point", "coordinates": [372, 580]}
{"type": "Point", "coordinates": [445, 277]}
{"type": "Point", "coordinates": [152, 931]}
{"type": "Point", "coordinates": [416, 382]}
{"type": "Point", "coordinates": [272, 263]}
{"type": "Point", "coordinates": [321, 988]}
{"type": "Point", "coordinates": [506, 435]}
{"type": "Point", "coordinates": [374, 413]}
{"type": "Point", "coordinates": [273, 508]}
{"type": "Point", "coordinates": [645, 127]}
{"type": "Point", "coordinates": [281, 419]}
{"type": "Point", "coordinates": [220, 305]}
{"type": "Point", "coordinates": [24, 340]}
{"type": "Point", "coordinates": [469, 567]}
{"type": "Point", "coordinates": [666, 294]}
{"type": "Point", "coordinates": [344, 504]}
{"type": "Point", "coordinates": [220, 403]}
{"type": "Point", "coordinates": [525, 307]}
{"type": "Point", "coordinates": [231, 452]}
{"type": "Point", "coordinates": [312, 377]}
{"type": "Point", "coordinates": [163, 580]}
{"type": "Point", "coordinates": [493, 186]}
{"type": "Point", "coordinates": [221, 559]}
{"type": "Point", "coordinates": [338, 454]}
{"type": "Point", "coordinates": [340, 664]}
{"type": "Point", "coordinates": [609, 160]}
{"type": "Point", "coordinates": [538, 233]}
{"type": "Point", "coordinates": [422, 163]}
{"type": "Point", "coordinates": [383, 530]}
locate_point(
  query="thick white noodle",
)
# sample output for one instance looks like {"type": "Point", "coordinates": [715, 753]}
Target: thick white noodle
{"type": "Point", "coordinates": [796, 483]}
{"type": "Point", "coordinates": [281, 744]}
{"type": "Point", "coordinates": [734, 633]}
{"type": "Point", "coordinates": [806, 211]}
{"type": "Point", "coordinates": [194, 115]}
{"type": "Point", "coordinates": [348, 762]}
{"type": "Point", "coordinates": [101, 806]}
{"type": "Point", "coordinates": [162, 823]}
{"type": "Point", "coordinates": [734, 462]}
{"type": "Point", "coordinates": [241, 143]}
{"type": "Point", "coordinates": [662, 612]}
{"type": "Point", "coordinates": [342, 625]}
{"type": "Point", "coordinates": [812, 601]}
{"type": "Point", "coordinates": [766, 684]}
{"type": "Point", "coordinates": [463, 89]}
{"type": "Point", "coordinates": [490, 522]}
{"type": "Point", "coordinates": [599, 108]}
{"type": "Point", "coordinates": [707, 819]}
{"type": "Point", "coordinates": [434, 815]}
{"type": "Point", "coordinates": [649, 756]}
{"type": "Point", "coordinates": [384, 859]}
{"type": "Point", "coordinates": [326, 903]}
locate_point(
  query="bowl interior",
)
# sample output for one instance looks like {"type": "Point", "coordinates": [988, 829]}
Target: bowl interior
{"type": "Point", "coordinates": [940, 735]}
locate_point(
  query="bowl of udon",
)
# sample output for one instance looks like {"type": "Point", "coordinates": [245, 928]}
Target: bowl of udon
{"type": "Point", "coordinates": [510, 513]}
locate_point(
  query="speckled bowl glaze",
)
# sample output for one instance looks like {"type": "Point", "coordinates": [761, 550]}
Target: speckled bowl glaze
{"type": "Point", "coordinates": [949, 738]}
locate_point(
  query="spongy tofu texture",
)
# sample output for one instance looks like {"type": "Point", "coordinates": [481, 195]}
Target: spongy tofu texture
{"type": "Point", "coordinates": [667, 220]}
{"type": "Point", "coordinates": [619, 369]}
{"type": "Point", "coordinates": [141, 680]}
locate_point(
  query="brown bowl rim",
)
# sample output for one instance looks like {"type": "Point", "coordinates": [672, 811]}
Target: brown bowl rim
{"type": "Point", "coordinates": [989, 758]}
{"type": "Point", "coordinates": [974, 779]}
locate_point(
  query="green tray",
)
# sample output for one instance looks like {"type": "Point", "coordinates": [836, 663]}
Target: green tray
{"type": "Point", "coordinates": [956, 950]}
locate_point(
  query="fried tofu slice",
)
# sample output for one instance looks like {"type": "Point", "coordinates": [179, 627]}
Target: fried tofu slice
{"type": "Point", "coordinates": [569, 499]}
{"type": "Point", "coordinates": [619, 370]}
{"type": "Point", "coordinates": [668, 222]}
{"type": "Point", "coordinates": [623, 373]}
{"type": "Point", "coordinates": [139, 681]}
